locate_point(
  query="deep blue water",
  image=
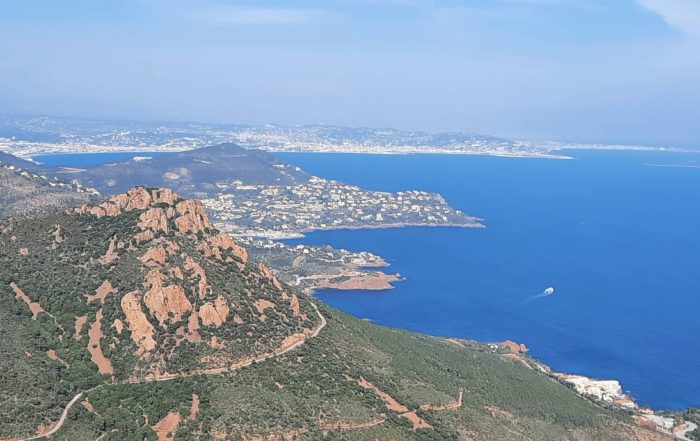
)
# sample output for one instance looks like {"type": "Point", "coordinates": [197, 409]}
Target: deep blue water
{"type": "Point", "coordinates": [617, 239]}
{"type": "Point", "coordinates": [88, 159]}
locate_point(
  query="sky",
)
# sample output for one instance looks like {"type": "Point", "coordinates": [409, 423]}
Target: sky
{"type": "Point", "coordinates": [609, 71]}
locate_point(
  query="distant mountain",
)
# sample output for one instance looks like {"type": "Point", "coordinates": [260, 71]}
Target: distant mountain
{"type": "Point", "coordinates": [193, 173]}
{"type": "Point", "coordinates": [134, 319]}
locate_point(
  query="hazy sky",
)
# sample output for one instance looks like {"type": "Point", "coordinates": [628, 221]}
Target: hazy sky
{"type": "Point", "coordinates": [623, 71]}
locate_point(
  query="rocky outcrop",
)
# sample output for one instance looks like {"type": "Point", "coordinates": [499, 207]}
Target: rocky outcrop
{"type": "Point", "coordinates": [141, 329]}
{"type": "Point", "coordinates": [110, 255]}
{"type": "Point", "coordinates": [154, 219]}
{"type": "Point", "coordinates": [165, 302]}
{"type": "Point", "coordinates": [223, 241]}
{"type": "Point", "coordinates": [138, 198]}
{"type": "Point", "coordinates": [192, 217]}
{"type": "Point", "coordinates": [154, 255]}
{"type": "Point", "coordinates": [214, 314]}
{"type": "Point", "coordinates": [513, 347]}
{"type": "Point", "coordinates": [261, 305]}
{"type": "Point", "coordinates": [267, 272]}
{"type": "Point", "coordinates": [200, 275]}
{"type": "Point", "coordinates": [296, 308]}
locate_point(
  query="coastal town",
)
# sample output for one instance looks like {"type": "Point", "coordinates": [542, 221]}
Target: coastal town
{"type": "Point", "coordinates": [60, 135]}
{"type": "Point", "coordinates": [321, 204]}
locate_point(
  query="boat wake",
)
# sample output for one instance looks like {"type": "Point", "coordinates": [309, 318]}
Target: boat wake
{"type": "Point", "coordinates": [546, 293]}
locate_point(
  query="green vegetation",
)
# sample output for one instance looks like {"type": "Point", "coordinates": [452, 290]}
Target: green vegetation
{"type": "Point", "coordinates": [693, 415]}
{"type": "Point", "coordinates": [306, 388]}
{"type": "Point", "coordinates": [23, 192]}
{"type": "Point", "coordinates": [326, 388]}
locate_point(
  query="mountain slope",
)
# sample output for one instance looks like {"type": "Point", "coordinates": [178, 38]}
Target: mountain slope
{"type": "Point", "coordinates": [25, 191]}
{"type": "Point", "coordinates": [192, 173]}
{"type": "Point", "coordinates": [135, 289]}
{"type": "Point", "coordinates": [137, 320]}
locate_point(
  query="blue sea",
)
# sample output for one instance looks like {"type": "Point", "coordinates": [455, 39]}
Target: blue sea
{"type": "Point", "coordinates": [615, 234]}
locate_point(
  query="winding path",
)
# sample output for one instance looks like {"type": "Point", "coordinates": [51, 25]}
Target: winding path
{"type": "Point", "coordinates": [60, 420]}
{"type": "Point", "coordinates": [264, 357]}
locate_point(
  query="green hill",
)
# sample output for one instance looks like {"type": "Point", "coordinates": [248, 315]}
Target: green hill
{"type": "Point", "coordinates": [192, 173]}
{"type": "Point", "coordinates": [135, 319]}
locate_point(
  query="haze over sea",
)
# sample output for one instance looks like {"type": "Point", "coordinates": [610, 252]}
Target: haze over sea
{"type": "Point", "coordinates": [616, 236]}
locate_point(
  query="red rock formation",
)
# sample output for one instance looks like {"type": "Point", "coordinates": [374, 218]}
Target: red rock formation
{"type": "Point", "coordinates": [141, 329]}
{"type": "Point", "coordinates": [198, 272]}
{"type": "Point", "coordinates": [513, 347]}
{"type": "Point", "coordinates": [267, 272]}
{"type": "Point", "coordinates": [154, 219]}
{"type": "Point", "coordinates": [192, 217]}
{"type": "Point", "coordinates": [165, 302]}
{"type": "Point", "coordinates": [296, 309]}
{"type": "Point", "coordinates": [154, 255]}
{"type": "Point", "coordinates": [111, 254]}
{"type": "Point", "coordinates": [224, 242]}
{"type": "Point", "coordinates": [261, 305]}
{"type": "Point", "coordinates": [214, 314]}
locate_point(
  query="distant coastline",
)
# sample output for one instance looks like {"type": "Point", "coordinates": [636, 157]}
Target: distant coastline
{"type": "Point", "coordinates": [546, 150]}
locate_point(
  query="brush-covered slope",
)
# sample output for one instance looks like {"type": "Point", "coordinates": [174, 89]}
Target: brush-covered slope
{"type": "Point", "coordinates": [193, 173]}
{"type": "Point", "coordinates": [355, 381]}
{"type": "Point", "coordinates": [25, 191]}
{"type": "Point", "coordinates": [133, 319]}
{"type": "Point", "coordinates": [135, 289]}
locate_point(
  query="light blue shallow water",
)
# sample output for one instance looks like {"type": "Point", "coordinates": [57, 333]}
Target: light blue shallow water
{"type": "Point", "coordinates": [619, 240]}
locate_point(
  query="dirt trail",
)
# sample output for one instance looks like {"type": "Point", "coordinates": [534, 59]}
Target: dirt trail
{"type": "Point", "coordinates": [61, 420]}
{"type": "Point", "coordinates": [453, 405]}
{"type": "Point", "coordinates": [278, 352]}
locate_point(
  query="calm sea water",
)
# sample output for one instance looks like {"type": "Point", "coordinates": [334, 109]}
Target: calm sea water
{"type": "Point", "coordinates": [617, 238]}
